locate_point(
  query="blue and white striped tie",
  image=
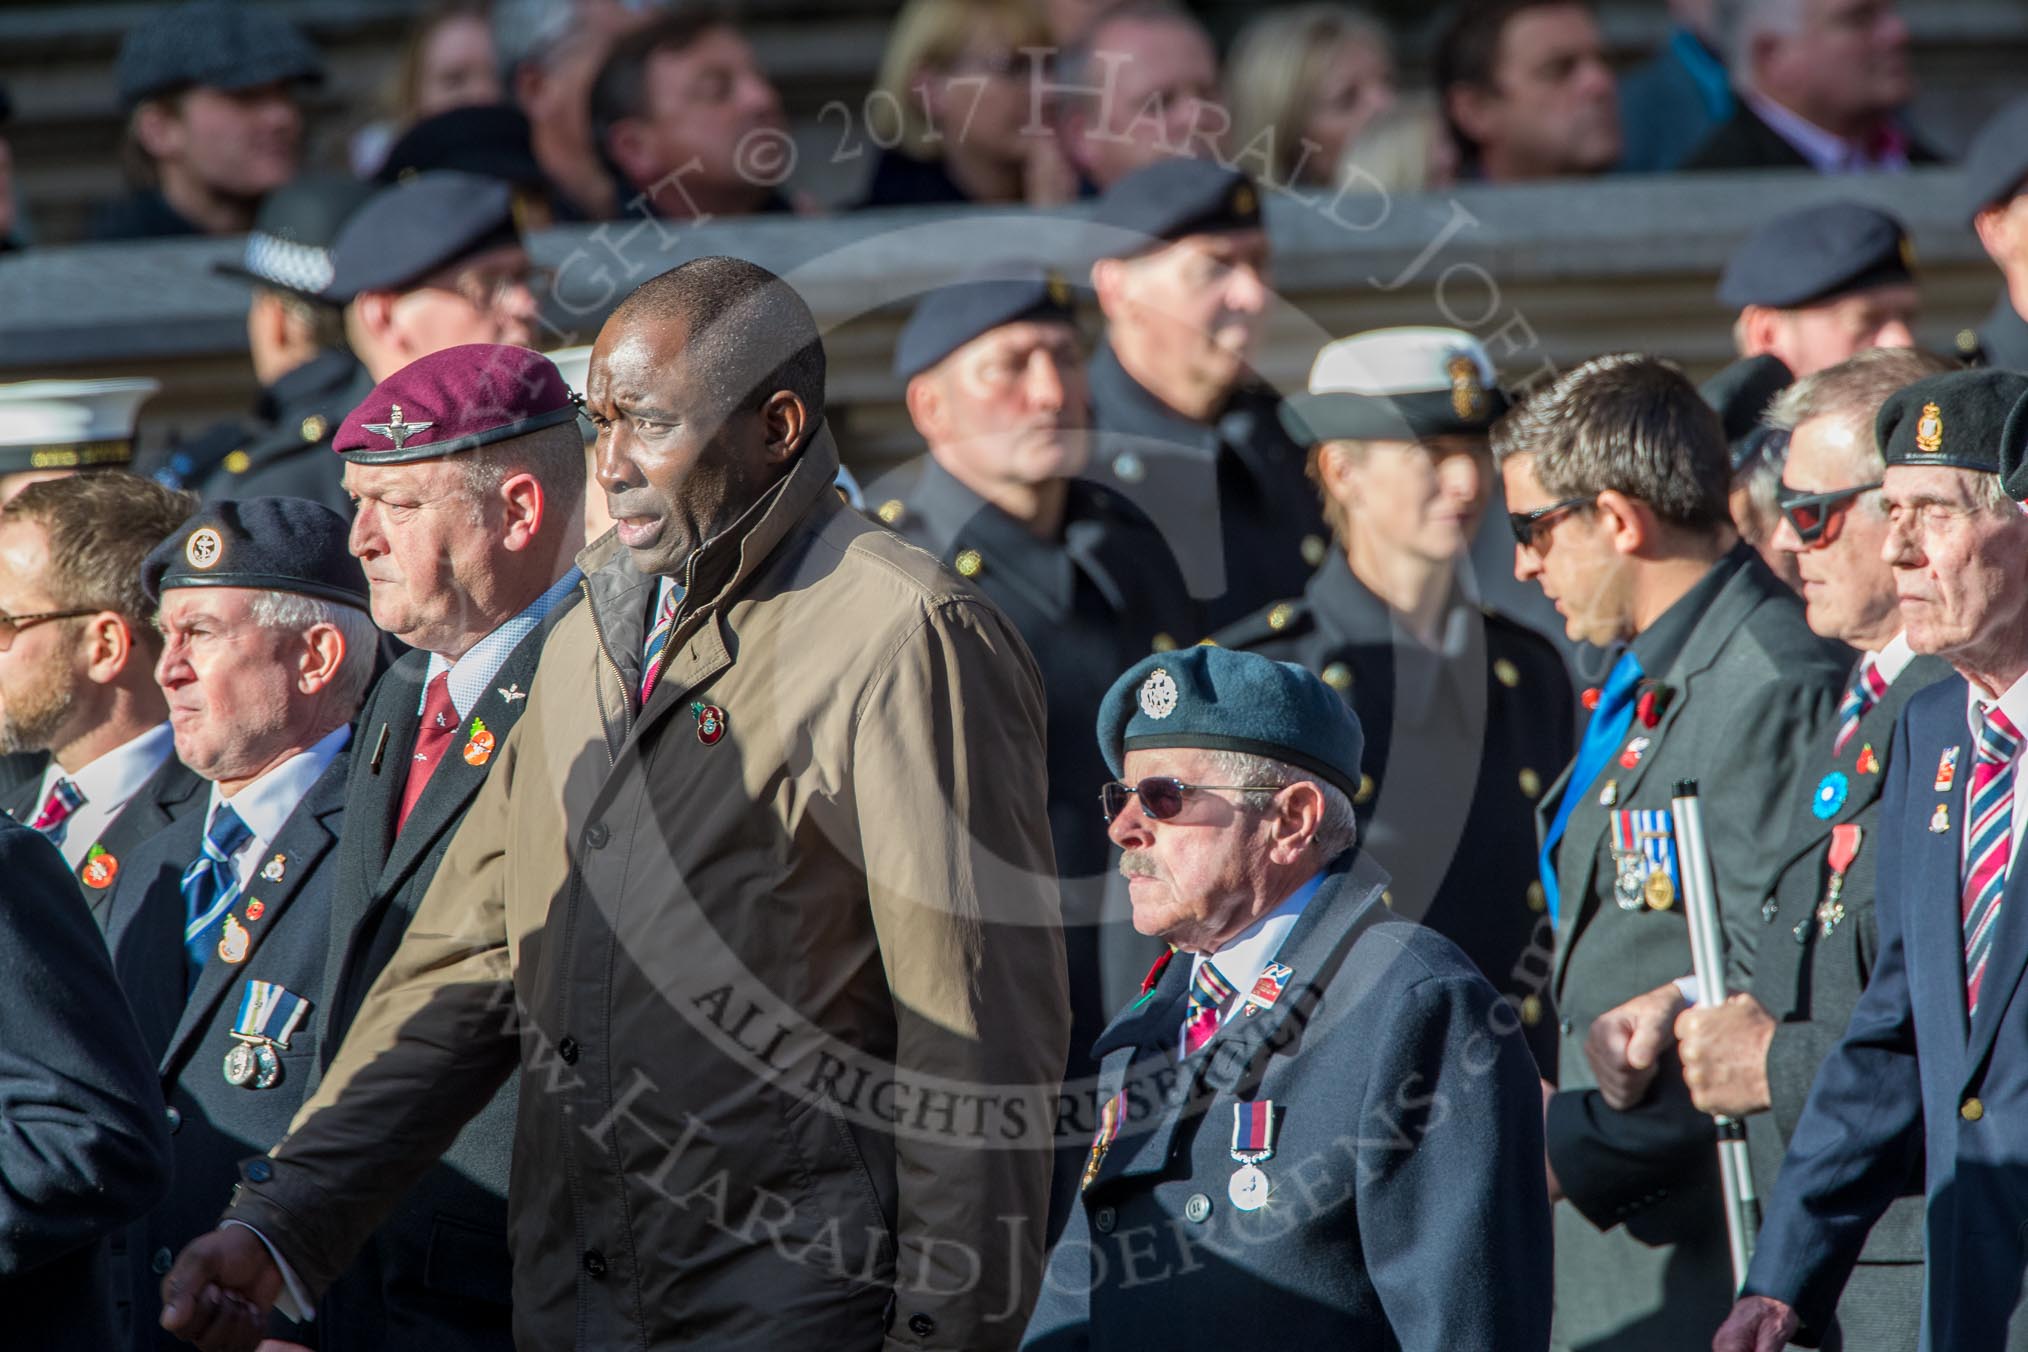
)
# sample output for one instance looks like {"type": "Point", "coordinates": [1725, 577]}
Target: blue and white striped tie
{"type": "Point", "coordinates": [211, 885]}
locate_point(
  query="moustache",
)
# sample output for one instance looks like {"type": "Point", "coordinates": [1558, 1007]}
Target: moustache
{"type": "Point", "coordinates": [1138, 861]}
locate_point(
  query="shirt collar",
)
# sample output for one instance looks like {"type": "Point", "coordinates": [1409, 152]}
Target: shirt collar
{"type": "Point", "coordinates": [108, 782]}
{"type": "Point", "coordinates": [1892, 660]}
{"type": "Point", "coordinates": [1827, 152]}
{"type": "Point", "coordinates": [1241, 960]}
{"type": "Point", "coordinates": [472, 673]}
{"type": "Point", "coordinates": [266, 804]}
{"type": "Point", "coordinates": [1662, 642]}
{"type": "Point", "coordinates": [2013, 702]}
{"type": "Point", "coordinates": [1124, 404]}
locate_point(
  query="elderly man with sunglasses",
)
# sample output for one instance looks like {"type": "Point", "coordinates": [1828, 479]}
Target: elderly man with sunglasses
{"type": "Point", "coordinates": [1318, 1117]}
{"type": "Point", "coordinates": [1616, 477]}
{"type": "Point", "coordinates": [1755, 1056]}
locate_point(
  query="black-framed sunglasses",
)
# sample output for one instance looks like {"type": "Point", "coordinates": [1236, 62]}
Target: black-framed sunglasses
{"type": "Point", "coordinates": [1809, 514]}
{"type": "Point", "coordinates": [12, 625]}
{"type": "Point", "coordinates": [1528, 525]}
{"type": "Point", "coordinates": [1162, 795]}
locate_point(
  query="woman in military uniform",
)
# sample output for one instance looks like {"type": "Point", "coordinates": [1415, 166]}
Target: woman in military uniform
{"type": "Point", "coordinates": [1467, 713]}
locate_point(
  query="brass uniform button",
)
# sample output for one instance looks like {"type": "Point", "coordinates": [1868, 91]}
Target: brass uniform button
{"type": "Point", "coordinates": [1387, 899]}
{"type": "Point", "coordinates": [1163, 643]}
{"type": "Point", "coordinates": [1366, 786]}
{"type": "Point", "coordinates": [1278, 618]}
{"type": "Point", "coordinates": [1531, 783]}
{"type": "Point", "coordinates": [1538, 900]}
{"type": "Point", "coordinates": [1506, 673]}
{"type": "Point", "coordinates": [969, 564]}
{"type": "Point", "coordinates": [1314, 549]}
{"type": "Point", "coordinates": [314, 427]}
{"type": "Point", "coordinates": [891, 511]}
{"type": "Point", "coordinates": [1207, 643]}
{"type": "Point", "coordinates": [1972, 1110]}
{"type": "Point", "coordinates": [1531, 1010]}
{"type": "Point", "coordinates": [239, 462]}
{"type": "Point", "coordinates": [1968, 341]}
{"type": "Point", "coordinates": [1338, 676]}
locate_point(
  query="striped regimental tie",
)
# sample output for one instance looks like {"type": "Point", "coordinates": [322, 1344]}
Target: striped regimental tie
{"type": "Point", "coordinates": [54, 819]}
{"type": "Point", "coordinates": [1990, 841]}
{"type": "Point", "coordinates": [1867, 688]}
{"type": "Point", "coordinates": [658, 643]}
{"type": "Point", "coordinates": [211, 885]}
{"type": "Point", "coordinates": [1210, 994]}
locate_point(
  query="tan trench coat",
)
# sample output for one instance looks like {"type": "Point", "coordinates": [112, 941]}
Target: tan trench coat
{"type": "Point", "coordinates": [778, 955]}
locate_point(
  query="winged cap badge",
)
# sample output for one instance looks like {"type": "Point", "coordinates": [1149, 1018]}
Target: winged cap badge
{"type": "Point", "coordinates": [397, 431]}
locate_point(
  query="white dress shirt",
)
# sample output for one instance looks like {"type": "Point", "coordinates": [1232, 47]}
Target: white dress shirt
{"type": "Point", "coordinates": [107, 784]}
{"type": "Point", "coordinates": [266, 803]}
{"type": "Point", "coordinates": [1241, 961]}
{"type": "Point", "coordinates": [1892, 660]}
{"type": "Point", "coordinates": [472, 673]}
{"type": "Point", "coordinates": [1827, 152]}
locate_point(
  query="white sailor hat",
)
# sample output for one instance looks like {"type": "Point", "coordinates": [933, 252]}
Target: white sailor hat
{"type": "Point", "coordinates": [1404, 384]}
{"type": "Point", "coordinates": [69, 424]}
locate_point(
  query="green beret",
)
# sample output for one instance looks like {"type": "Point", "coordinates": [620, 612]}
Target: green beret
{"type": "Point", "coordinates": [1959, 419]}
{"type": "Point", "coordinates": [1215, 699]}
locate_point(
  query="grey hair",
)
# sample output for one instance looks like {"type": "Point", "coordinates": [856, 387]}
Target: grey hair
{"type": "Point", "coordinates": [1336, 833]}
{"type": "Point", "coordinates": [1853, 391]}
{"type": "Point", "coordinates": [554, 455]}
{"type": "Point", "coordinates": [529, 30]}
{"type": "Point", "coordinates": [1630, 423]}
{"type": "Point", "coordinates": [297, 613]}
{"type": "Point", "coordinates": [1073, 65]}
{"type": "Point", "coordinates": [1738, 22]}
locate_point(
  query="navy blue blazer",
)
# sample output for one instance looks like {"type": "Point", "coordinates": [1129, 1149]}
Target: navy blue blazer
{"type": "Point", "coordinates": [1914, 1078]}
{"type": "Point", "coordinates": [1409, 1207]}
{"type": "Point", "coordinates": [83, 1150]}
{"type": "Point", "coordinates": [213, 1124]}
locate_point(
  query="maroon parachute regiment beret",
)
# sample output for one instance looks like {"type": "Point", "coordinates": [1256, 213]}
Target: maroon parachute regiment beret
{"type": "Point", "coordinates": [455, 400]}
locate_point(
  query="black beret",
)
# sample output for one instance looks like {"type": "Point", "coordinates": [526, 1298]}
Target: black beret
{"type": "Point", "coordinates": [405, 232]}
{"type": "Point", "coordinates": [215, 43]}
{"type": "Point", "coordinates": [289, 247]}
{"type": "Point", "coordinates": [1171, 199]}
{"type": "Point", "coordinates": [267, 544]}
{"type": "Point", "coordinates": [1739, 395]}
{"type": "Point", "coordinates": [1815, 254]}
{"type": "Point", "coordinates": [1219, 699]}
{"type": "Point", "coordinates": [947, 318]}
{"type": "Point", "coordinates": [1402, 384]}
{"type": "Point", "coordinates": [1960, 419]}
{"type": "Point", "coordinates": [1997, 161]}
{"type": "Point", "coordinates": [490, 140]}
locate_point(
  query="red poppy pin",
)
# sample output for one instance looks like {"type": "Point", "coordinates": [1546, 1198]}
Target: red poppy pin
{"type": "Point", "coordinates": [480, 749]}
{"type": "Point", "coordinates": [710, 723]}
{"type": "Point", "coordinates": [1652, 703]}
{"type": "Point", "coordinates": [100, 868]}
{"type": "Point", "coordinates": [1590, 698]}
{"type": "Point", "coordinates": [1154, 976]}
{"type": "Point", "coordinates": [255, 909]}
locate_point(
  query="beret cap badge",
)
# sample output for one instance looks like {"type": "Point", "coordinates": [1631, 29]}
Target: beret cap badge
{"type": "Point", "coordinates": [204, 548]}
{"type": "Point", "coordinates": [1929, 430]}
{"type": "Point", "coordinates": [397, 431]}
{"type": "Point", "coordinates": [1158, 694]}
{"type": "Point", "coordinates": [1468, 396]}
{"type": "Point", "coordinates": [1059, 290]}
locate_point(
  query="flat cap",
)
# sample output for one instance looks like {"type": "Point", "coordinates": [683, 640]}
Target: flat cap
{"type": "Point", "coordinates": [1170, 200]}
{"type": "Point", "coordinates": [70, 424]}
{"type": "Point", "coordinates": [1959, 419]}
{"type": "Point", "coordinates": [216, 43]}
{"type": "Point", "coordinates": [265, 544]}
{"type": "Point", "coordinates": [455, 400]}
{"type": "Point", "coordinates": [1216, 699]}
{"type": "Point", "coordinates": [947, 318]}
{"type": "Point", "coordinates": [1996, 163]}
{"type": "Point", "coordinates": [1739, 395]}
{"type": "Point", "coordinates": [405, 232]}
{"type": "Point", "coordinates": [1400, 384]}
{"type": "Point", "coordinates": [491, 140]}
{"type": "Point", "coordinates": [1815, 254]}
{"type": "Point", "coordinates": [289, 247]}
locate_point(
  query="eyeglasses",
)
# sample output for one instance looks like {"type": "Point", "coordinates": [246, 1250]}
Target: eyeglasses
{"type": "Point", "coordinates": [1527, 526]}
{"type": "Point", "coordinates": [1162, 796]}
{"type": "Point", "coordinates": [1809, 514]}
{"type": "Point", "coordinates": [10, 625]}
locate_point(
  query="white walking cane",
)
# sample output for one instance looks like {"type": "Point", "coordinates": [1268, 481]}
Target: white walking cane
{"type": "Point", "coordinates": [1707, 961]}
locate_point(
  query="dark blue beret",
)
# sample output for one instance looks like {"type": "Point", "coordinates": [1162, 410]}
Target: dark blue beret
{"type": "Point", "coordinates": [1815, 254]}
{"type": "Point", "coordinates": [216, 43]}
{"type": "Point", "coordinates": [1960, 419]}
{"type": "Point", "coordinates": [1215, 699]}
{"type": "Point", "coordinates": [1171, 199]}
{"type": "Point", "coordinates": [1739, 395]}
{"type": "Point", "coordinates": [1997, 161]}
{"type": "Point", "coordinates": [266, 544]}
{"type": "Point", "coordinates": [289, 247]}
{"type": "Point", "coordinates": [490, 140]}
{"type": "Point", "coordinates": [410, 230]}
{"type": "Point", "coordinates": [951, 316]}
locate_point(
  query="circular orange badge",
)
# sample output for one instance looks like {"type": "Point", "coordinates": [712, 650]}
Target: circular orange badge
{"type": "Point", "coordinates": [480, 749]}
{"type": "Point", "coordinates": [100, 870]}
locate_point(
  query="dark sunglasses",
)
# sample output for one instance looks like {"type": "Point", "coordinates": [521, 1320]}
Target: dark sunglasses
{"type": "Point", "coordinates": [1527, 525]}
{"type": "Point", "coordinates": [1809, 514]}
{"type": "Point", "coordinates": [1162, 795]}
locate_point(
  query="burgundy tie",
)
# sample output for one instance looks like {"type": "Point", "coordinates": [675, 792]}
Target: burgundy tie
{"type": "Point", "coordinates": [439, 726]}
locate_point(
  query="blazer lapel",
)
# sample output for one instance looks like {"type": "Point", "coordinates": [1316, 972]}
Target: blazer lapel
{"type": "Point", "coordinates": [1934, 918]}
{"type": "Point", "coordinates": [304, 840]}
{"type": "Point", "coordinates": [159, 803]}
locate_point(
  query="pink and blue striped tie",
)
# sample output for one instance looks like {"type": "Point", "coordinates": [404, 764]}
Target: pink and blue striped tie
{"type": "Point", "coordinates": [658, 643]}
{"type": "Point", "coordinates": [1210, 993]}
{"type": "Point", "coordinates": [1990, 841]}
{"type": "Point", "coordinates": [1859, 700]}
